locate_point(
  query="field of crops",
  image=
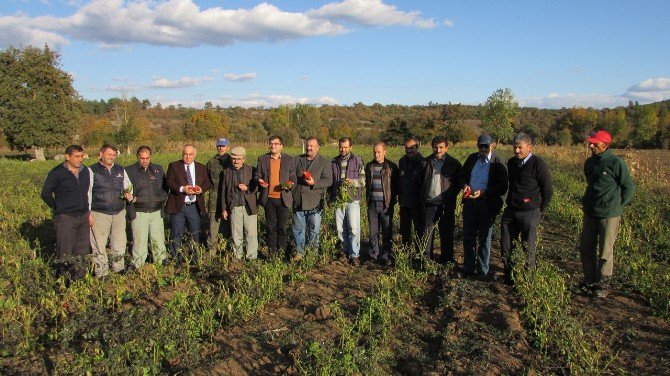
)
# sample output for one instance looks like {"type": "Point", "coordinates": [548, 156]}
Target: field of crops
{"type": "Point", "coordinates": [324, 317]}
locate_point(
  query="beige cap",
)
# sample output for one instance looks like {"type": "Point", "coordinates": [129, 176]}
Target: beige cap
{"type": "Point", "coordinates": [238, 151]}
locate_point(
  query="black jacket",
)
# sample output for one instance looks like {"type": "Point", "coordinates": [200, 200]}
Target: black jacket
{"type": "Point", "coordinates": [66, 194]}
{"type": "Point", "coordinates": [449, 174]}
{"type": "Point", "coordinates": [497, 185]}
{"type": "Point", "coordinates": [148, 186]}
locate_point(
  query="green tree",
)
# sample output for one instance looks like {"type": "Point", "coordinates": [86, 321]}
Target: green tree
{"type": "Point", "coordinates": [38, 105]}
{"type": "Point", "coordinates": [614, 121]}
{"type": "Point", "coordinates": [396, 133]}
{"type": "Point", "coordinates": [207, 125]}
{"type": "Point", "coordinates": [645, 126]}
{"type": "Point", "coordinates": [307, 121]}
{"type": "Point", "coordinates": [498, 115]}
{"type": "Point", "coordinates": [453, 117]}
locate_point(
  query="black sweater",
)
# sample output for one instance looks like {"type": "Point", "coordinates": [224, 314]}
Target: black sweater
{"type": "Point", "coordinates": [529, 185]}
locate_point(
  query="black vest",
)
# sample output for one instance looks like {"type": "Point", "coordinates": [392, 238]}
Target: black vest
{"type": "Point", "coordinates": [107, 189]}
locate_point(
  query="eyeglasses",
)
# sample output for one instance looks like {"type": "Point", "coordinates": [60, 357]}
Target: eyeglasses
{"type": "Point", "coordinates": [484, 146]}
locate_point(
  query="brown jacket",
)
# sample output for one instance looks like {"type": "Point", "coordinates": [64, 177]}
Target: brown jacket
{"type": "Point", "coordinates": [228, 188]}
{"type": "Point", "coordinates": [390, 181]}
{"type": "Point", "coordinates": [176, 178]}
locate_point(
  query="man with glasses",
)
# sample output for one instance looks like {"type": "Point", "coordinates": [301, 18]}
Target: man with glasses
{"type": "Point", "coordinates": [484, 181]}
{"type": "Point", "coordinates": [411, 213]}
{"type": "Point", "coordinates": [275, 174]}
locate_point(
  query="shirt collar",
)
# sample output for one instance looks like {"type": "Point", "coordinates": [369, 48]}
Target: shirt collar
{"type": "Point", "coordinates": [523, 162]}
{"type": "Point", "coordinates": [486, 159]}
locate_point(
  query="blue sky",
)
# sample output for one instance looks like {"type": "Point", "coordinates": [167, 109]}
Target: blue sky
{"type": "Point", "coordinates": [552, 54]}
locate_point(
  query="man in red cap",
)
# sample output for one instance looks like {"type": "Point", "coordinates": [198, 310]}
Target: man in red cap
{"type": "Point", "coordinates": [609, 188]}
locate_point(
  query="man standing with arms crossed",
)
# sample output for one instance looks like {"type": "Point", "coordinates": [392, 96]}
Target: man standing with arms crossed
{"type": "Point", "coordinates": [315, 175]}
{"type": "Point", "coordinates": [215, 166]}
{"type": "Point", "coordinates": [150, 191]}
{"type": "Point", "coordinates": [66, 192]}
{"type": "Point", "coordinates": [110, 190]}
{"type": "Point", "coordinates": [410, 183]}
{"type": "Point", "coordinates": [530, 191]}
{"type": "Point", "coordinates": [275, 173]}
{"type": "Point", "coordinates": [348, 176]}
{"type": "Point", "coordinates": [609, 188]}
{"type": "Point", "coordinates": [484, 178]}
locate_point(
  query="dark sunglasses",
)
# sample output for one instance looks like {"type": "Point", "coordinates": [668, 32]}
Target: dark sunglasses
{"type": "Point", "coordinates": [484, 146]}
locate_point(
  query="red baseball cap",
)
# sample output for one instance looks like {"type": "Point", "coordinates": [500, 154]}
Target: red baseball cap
{"type": "Point", "coordinates": [600, 136]}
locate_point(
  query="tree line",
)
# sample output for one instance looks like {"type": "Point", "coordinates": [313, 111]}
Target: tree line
{"type": "Point", "coordinates": [39, 108]}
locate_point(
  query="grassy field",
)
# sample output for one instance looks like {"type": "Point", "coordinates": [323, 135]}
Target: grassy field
{"type": "Point", "coordinates": [324, 317]}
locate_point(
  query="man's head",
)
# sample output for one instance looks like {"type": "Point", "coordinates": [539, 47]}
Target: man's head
{"type": "Point", "coordinates": [312, 147]}
{"type": "Point", "coordinates": [222, 145]}
{"type": "Point", "coordinates": [345, 146]}
{"type": "Point", "coordinates": [599, 142]}
{"type": "Point", "coordinates": [188, 154]}
{"type": "Point", "coordinates": [379, 150]}
{"type": "Point", "coordinates": [411, 147]}
{"type": "Point", "coordinates": [107, 155]}
{"type": "Point", "coordinates": [275, 144]}
{"type": "Point", "coordinates": [523, 145]}
{"type": "Point", "coordinates": [74, 155]}
{"type": "Point", "coordinates": [143, 156]}
{"type": "Point", "coordinates": [440, 146]}
{"type": "Point", "coordinates": [485, 145]}
{"type": "Point", "coordinates": [237, 155]}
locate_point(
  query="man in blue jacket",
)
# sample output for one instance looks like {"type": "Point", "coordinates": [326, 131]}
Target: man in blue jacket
{"type": "Point", "coordinates": [609, 188]}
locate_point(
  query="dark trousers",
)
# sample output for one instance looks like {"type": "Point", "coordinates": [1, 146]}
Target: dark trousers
{"type": "Point", "coordinates": [445, 218]}
{"type": "Point", "coordinates": [477, 230]}
{"type": "Point", "coordinates": [409, 216]}
{"type": "Point", "coordinates": [188, 217]}
{"type": "Point", "coordinates": [73, 243]}
{"type": "Point", "coordinates": [518, 225]}
{"type": "Point", "coordinates": [276, 218]}
{"type": "Point", "coordinates": [378, 217]}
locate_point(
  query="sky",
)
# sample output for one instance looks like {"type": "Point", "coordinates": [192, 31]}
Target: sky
{"type": "Point", "coordinates": [551, 54]}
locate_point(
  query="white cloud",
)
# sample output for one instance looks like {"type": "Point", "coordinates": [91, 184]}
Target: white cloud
{"type": "Point", "coordinates": [555, 100]}
{"type": "Point", "coordinates": [447, 22]}
{"type": "Point", "coordinates": [647, 91]}
{"type": "Point", "coordinates": [165, 83]}
{"type": "Point", "coordinates": [244, 77]}
{"type": "Point", "coordinates": [271, 100]}
{"type": "Point", "coordinates": [651, 85]}
{"type": "Point", "coordinates": [304, 77]}
{"type": "Point", "coordinates": [183, 23]}
{"type": "Point", "coordinates": [371, 13]}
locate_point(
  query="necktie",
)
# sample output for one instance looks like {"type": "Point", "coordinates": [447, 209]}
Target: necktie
{"type": "Point", "coordinates": [189, 180]}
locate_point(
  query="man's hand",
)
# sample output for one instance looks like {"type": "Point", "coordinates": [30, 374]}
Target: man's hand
{"type": "Point", "coordinates": [310, 181]}
{"type": "Point", "coordinates": [91, 221]}
{"type": "Point", "coordinates": [476, 194]}
{"type": "Point", "coordinates": [263, 183]}
{"type": "Point", "coordinates": [128, 196]}
{"type": "Point", "coordinates": [224, 214]}
{"type": "Point", "coordinates": [242, 187]}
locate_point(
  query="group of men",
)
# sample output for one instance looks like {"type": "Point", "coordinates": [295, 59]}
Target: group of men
{"type": "Point", "coordinates": [91, 204]}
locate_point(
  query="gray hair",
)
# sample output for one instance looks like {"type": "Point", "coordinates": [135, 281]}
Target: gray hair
{"type": "Point", "coordinates": [523, 138]}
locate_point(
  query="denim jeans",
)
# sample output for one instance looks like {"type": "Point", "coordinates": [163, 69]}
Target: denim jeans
{"type": "Point", "coordinates": [306, 225]}
{"type": "Point", "coordinates": [477, 231]}
{"type": "Point", "coordinates": [348, 224]}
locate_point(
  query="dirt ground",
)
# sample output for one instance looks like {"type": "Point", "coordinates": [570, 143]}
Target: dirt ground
{"type": "Point", "coordinates": [457, 327]}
